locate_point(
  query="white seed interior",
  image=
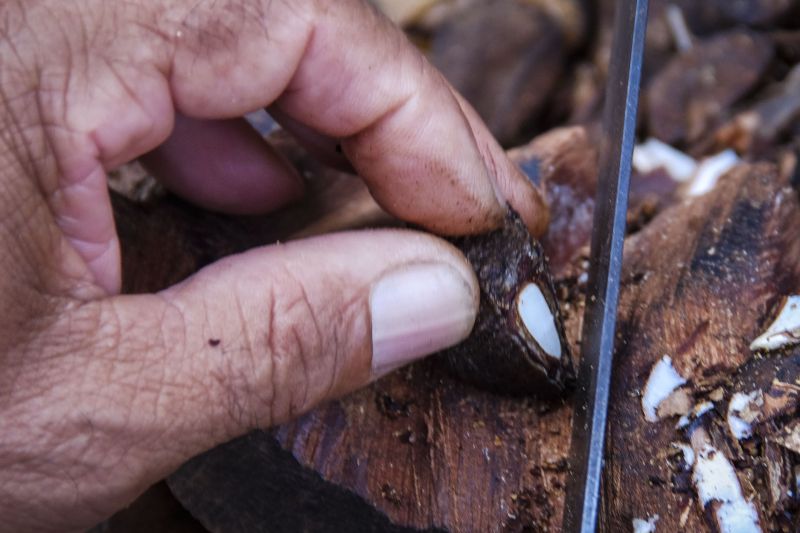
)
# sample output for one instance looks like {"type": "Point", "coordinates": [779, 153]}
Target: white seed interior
{"type": "Point", "coordinates": [710, 170]}
{"type": "Point", "coordinates": [653, 154]}
{"type": "Point", "coordinates": [715, 480]}
{"type": "Point", "coordinates": [538, 320]}
{"type": "Point", "coordinates": [784, 330]}
{"type": "Point", "coordinates": [663, 380]}
{"type": "Point", "coordinates": [641, 525]}
{"type": "Point", "coordinates": [740, 428]}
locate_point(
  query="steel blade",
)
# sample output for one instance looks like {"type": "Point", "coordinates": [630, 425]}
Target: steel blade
{"type": "Point", "coordinates": [608, 233]}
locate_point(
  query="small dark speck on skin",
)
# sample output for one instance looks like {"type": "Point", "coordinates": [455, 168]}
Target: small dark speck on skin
{"type": "Point", "coordinates": [338, 148]}
{"type": "Point", "coordinates": [214, 342]}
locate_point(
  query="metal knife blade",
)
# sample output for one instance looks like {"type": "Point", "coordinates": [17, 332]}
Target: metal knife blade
{"type": "Point", "coordinates": [608, 232]}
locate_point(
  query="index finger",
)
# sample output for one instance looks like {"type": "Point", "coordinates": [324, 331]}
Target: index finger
{"type": "Point", "coordinates": [344, 70]}
{"type": "Point", "coordinates": [425, 154]}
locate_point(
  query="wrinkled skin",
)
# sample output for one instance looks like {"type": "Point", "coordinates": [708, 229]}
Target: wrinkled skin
{"type": "Point", "coordinates": [102, 394]}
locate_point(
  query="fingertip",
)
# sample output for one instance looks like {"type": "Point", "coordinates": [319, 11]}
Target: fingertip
{"type": "Point", "coordinates": [417, 310]}
{"type": "Point", "coordinates": [527, 200]}
{"type": "Point", "coordinates": [512, 187]}
{"type": "Point", "coordinates": [333, 312]}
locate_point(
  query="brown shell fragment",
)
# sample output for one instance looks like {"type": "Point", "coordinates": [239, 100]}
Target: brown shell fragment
{"type": "Point", "coordinates": [695, 89]}
{"type": "Point", "coordinates": [502, 354]}
{"type": "Point", "coordinates": [519, 51]}
{"type": "Point", "coordinates": [563, 162]}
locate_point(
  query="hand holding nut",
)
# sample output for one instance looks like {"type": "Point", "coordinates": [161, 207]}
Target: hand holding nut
{"type": "Point", "coordinates": [102, 394]}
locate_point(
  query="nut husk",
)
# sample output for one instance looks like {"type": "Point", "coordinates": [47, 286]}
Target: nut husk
{"type": "Point", "coordinates": [501, 354]}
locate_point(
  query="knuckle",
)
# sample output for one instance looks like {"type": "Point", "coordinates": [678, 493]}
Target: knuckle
{"type": "Point", "coordinates": [293, 325]}
{"type": "Point", "coordinates": [292, 356]}
{"type": "Point", "coordinates": [214, 28]}
{"type": "Point", "coordinates": [295, 341]}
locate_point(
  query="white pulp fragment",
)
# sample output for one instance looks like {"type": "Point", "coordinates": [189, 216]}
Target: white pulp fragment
{"type": "Point", "coordinates": [738, 518]}
{"type": "Point", "coordinates": [716, 481]}
{"type": "Point", "coordinates": [653, 154]}
{"type": "Point", "coordinates": [789, 438]}
{"type": "Point", "coordinates": [678, 28]}
{"type": "Point", "coordinates": [739, 427]}
{"type": "Point", "coordinates": [785, 330]}
{"type": "Point", "coordinates": [645, 526]}
{"type": "Point", "coordinates": [710, 170]}
{"type": "Point", "coordinates": [702, 408]}
{"type": "Point", "coordinates": [687, 451]}
{"type": "Point", "coordinates": [662, 381]}
{"type": "Point", "coordinates": [538, 319]}
{"type": "Point", "coordinates": [697, 411]}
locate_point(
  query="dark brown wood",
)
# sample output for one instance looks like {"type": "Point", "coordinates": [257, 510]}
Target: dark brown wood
{"type": "Point", "coordinates": [426, 450]}
{"type": "Point", "coordinates": [691, 93]}
{"type": "Point", "coordinates": [505, 58]}
{"type": "Point", "coordinates": [421, 449]}
{"type": "Point", "coordinates": [701, 281]}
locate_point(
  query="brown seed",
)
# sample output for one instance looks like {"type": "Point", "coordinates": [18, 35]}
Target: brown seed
{"type": "Point", "coordinates": [517, 345]}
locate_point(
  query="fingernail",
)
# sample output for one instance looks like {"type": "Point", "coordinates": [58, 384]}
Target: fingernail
{"type": "Point", "coordinates": [416, 311]}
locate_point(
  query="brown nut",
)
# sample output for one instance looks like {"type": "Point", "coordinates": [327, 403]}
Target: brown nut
{"type": "Point", "coordinates": [517, 345]}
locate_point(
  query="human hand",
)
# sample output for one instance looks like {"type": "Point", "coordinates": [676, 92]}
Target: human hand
{"type": "Point", "coordinates": [102, 394]}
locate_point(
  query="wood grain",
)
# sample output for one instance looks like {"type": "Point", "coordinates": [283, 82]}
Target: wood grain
{"type": "Point", "coordinates": [421, 450]}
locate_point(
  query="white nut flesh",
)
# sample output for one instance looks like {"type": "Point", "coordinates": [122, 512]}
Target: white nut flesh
{"type": "Point", "coordinates": [663, 380]}
{"type": "Point", "coordinates": [717, 486]}
{"type": "Point", "coordinates": [697, 411]}
{"type": "Point", "coordinates": [641, 525]}
{"type": "Point", "coordinates": [687, 451]}
{"type": "Point", "coordinates": [743, 409]}
{"type": "Point", "coordinates": [654, 154]}
{"type": "Point", "coordinates": [784, 331]}
{"type": "Point", "coordinates": [539, 320]}
{"type": "Point", "coordinates": [710, 170]}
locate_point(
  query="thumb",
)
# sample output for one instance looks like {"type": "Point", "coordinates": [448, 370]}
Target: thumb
{"type": "Point", "coordinates": [299, 323]}
{"type": "Point", "coordinates": [249, 341]}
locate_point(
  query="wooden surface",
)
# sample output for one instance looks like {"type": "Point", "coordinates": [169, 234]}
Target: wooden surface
{"type": "Point", "coordinates": [702, 278]}
{"type": "Point", "coordinates": [700, 283]}
{"type": "Point", "coordinates": [420, 449]}
{"type": "Point", "coordinates": [691, 94]}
